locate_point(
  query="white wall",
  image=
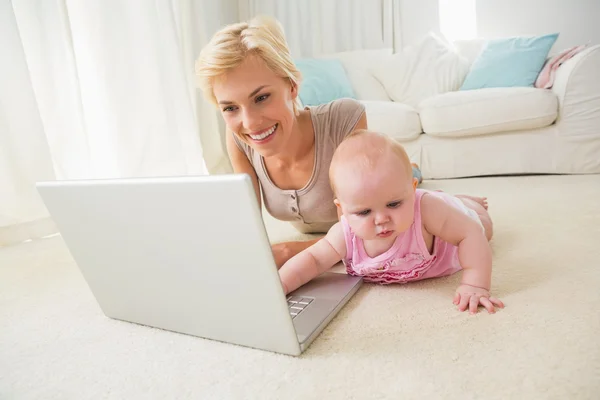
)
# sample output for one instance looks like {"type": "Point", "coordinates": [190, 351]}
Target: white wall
{"type": "Point", "coordinates": [577, 21]}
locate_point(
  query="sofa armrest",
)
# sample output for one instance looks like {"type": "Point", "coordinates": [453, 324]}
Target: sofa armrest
{"type": "Point", "coordinates": [577, 86]}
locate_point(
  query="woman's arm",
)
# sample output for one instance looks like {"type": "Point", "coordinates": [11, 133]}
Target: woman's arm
{"type": "Point", "coordinates": [241, 164]}
{"type": "Point", "coordinates": [314, 260]}
{"type": "Point", "coordinates": [282, 252]}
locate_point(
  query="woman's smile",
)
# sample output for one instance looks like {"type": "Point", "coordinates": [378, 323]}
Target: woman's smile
{"type": "Point", "coordinates": [263, 136]}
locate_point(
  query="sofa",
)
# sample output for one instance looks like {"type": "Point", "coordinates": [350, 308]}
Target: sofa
{"type": "Point", "coordinates": [490, 131]}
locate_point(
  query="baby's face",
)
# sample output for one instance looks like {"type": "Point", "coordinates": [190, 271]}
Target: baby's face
{"type": "Point", "coordinates": [378, 204]}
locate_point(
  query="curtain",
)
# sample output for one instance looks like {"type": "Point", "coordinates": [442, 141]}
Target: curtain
{"type": "Point", "coordinates": [317, 27]}
{"type": "Point", "coordinates": [24, 152]}
{"type": "Point", "coordinates": [98, 89]}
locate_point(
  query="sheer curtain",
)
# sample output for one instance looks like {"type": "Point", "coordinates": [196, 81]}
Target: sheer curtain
{"type": "Point", "coordinates": [98, 89]}
{"type": "Point", "coordinates": [316, 27]}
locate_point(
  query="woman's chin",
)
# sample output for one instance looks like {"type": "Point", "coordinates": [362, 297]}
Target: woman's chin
{"type": "Point", "coordinates": [268, 147]}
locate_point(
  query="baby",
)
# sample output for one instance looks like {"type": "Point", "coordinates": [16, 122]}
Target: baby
{"type": "Point", "coordinates": [392, 232]}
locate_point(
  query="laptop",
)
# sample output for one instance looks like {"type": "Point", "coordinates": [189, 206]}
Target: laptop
{"type": "Point", "coordinates": [190, 255]}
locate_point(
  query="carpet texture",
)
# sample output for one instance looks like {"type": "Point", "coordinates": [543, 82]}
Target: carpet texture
{"type": "Point", "coordinates": [396, 342]}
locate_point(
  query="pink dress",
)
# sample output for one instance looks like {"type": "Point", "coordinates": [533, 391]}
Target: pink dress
{"type": "Point", "coordinates": [408, 259]}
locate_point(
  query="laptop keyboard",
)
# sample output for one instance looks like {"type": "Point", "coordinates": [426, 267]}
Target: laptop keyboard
{"type": "Point", "coordinates": [297, 304]}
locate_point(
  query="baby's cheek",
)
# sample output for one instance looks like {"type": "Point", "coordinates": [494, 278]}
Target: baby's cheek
{"type": "Point", "coordinates": [406, 219]}
{"type": "Point", "coordinates": [359, 226]}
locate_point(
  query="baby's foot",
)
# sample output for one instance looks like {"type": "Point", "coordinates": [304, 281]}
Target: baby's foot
{"type": "Point", "coordinates": [480, 200]}
{"type": "Point", "coordinates": [417, 172]}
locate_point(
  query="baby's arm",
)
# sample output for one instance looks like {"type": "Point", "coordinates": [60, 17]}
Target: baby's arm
{"type": "Point", "coordinates": [474, 252]}
{"type": "Point", "coordinates": [453, 226]}
{"type": "Point", "coordinates": [313, 261]}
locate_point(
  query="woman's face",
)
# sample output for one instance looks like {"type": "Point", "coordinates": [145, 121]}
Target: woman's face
{"type": "Point", "coordinates": [257, 105]}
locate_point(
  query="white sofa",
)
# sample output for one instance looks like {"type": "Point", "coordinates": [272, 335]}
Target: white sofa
{"type": "Point", "coordinates": [495, 131]}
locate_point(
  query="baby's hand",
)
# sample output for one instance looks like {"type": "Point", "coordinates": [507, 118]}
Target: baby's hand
{"type": "Point", "coordinates": [471, 297]}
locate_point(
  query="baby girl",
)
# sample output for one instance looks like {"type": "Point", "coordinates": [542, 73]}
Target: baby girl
{"type": "Point", "coordinates": [392, 232]}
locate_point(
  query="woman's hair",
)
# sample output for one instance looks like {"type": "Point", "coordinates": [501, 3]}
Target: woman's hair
{"type": "Point", "coordinates": [262, 36]}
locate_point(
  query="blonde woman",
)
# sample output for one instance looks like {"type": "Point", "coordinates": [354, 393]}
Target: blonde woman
{"type": "Point", "coordinates": [247, 71]}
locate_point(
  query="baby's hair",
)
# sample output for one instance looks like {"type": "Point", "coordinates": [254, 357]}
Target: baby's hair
{"type": "Point", "coordinates": [262, 36]}
{"type": "Point", "coordinates": [367, 155]}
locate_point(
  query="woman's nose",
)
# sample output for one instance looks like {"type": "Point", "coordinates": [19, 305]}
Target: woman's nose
{"type": "Point", "coordinates": [252, 121]}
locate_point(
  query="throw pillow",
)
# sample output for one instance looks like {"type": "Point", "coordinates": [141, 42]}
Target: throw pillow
{"type": "Point", "coordinates": [323, 80]}
{"type": "Point", "coordinates": [358, 64]}
{"type": "Point", "coordinates": [509, 62]}
{"type": "Point", "coordinates": [430, 67]}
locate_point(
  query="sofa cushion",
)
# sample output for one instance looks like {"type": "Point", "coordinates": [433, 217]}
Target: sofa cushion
{"type": "Point", "coordinates": [470, 49]}
{"type": "Point", "coordinates": [484, 111]}
{"type": "Point", "coordinates": [399, 121]}
{"type": "Point", "coordinates": [322, 81]}
{"type": "Point", "coordinates": [357, 64]}
{"type": "Point", "coordinates": [509, 62]}
{"type": "Point", "coordinates": [428, 68]}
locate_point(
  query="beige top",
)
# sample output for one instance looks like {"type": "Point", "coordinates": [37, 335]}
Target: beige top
{"type": "Point", "coordinates": [310, 209]}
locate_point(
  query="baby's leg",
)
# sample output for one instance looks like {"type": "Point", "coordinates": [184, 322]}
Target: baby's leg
{"type": "Point", "coordinates": [481, 200]}
{"type": "Point", "coordinates": [481, 211]}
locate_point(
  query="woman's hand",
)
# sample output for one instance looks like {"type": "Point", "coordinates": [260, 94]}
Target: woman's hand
{"type": "Point", "coordinates": [286, 250]}
{"type": "Point", "coordinates": [470, 297]}
{"type": "Point", "coordinates": [281, 253]}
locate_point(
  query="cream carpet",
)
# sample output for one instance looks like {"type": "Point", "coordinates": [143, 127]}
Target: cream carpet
{"type": "Point", "coordinates": [396, 342]}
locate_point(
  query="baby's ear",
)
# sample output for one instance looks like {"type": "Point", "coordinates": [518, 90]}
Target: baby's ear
{"type": "Point", "coordinates": [339, 208]}
{"type": "Point", "coordinates": [415, 183]}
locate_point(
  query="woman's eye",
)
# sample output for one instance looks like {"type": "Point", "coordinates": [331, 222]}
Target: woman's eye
{"type": "Point", "coordinates": [262, 97]}
{"type": "Point", "coordinates": [363, 213]}
{"type": "Point", "coordinates": [395, 204]}
{"type": "Point", "coordinates": [229, 109]}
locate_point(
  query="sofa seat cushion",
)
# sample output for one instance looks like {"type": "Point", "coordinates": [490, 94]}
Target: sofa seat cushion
{"type": "Point", "coordinates": [485, 111]}
{"type": "Point", "coordinates": [397, 120]}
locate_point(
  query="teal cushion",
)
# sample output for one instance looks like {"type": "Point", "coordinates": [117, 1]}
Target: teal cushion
{"type": "Point", "coordinates": [509, 62]}
{"type": "Point", "coordinates": [323, 80]}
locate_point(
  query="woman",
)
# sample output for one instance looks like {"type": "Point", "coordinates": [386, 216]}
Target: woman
{"type": "Point", "coordinates": [247, 71]}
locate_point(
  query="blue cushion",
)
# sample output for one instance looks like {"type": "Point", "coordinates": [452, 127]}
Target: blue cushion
{"type": "Point", "coordinates": [509, 62]}
{"type": "Point", "coordinates": [323, 80]}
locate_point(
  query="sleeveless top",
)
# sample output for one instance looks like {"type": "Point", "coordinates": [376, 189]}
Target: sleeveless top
{"type": "Point", "coordinates": [408, 259]}
{"type": "Point", "coordinates": [310, 209]}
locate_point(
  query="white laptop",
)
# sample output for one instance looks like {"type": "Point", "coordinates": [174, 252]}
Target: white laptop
{"type": "Point", "coordinates": [190, 255]}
